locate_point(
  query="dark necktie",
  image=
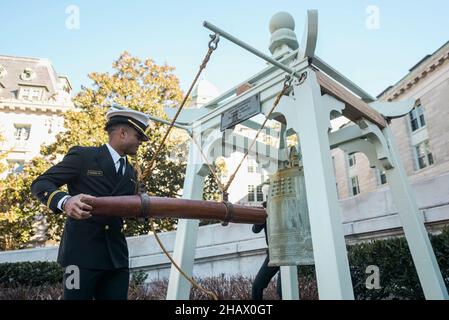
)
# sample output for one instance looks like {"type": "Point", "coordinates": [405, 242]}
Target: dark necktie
{"type": "Point", "coordinates": [120, 169]}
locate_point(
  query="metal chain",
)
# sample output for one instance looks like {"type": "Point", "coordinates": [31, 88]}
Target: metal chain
{"type": "Point", "coordinates": [190, 279]}
{"type": "Point", "coordinates": [213, 44]}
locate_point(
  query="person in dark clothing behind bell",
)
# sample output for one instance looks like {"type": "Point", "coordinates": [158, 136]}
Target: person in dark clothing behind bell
{"type": "Point", "coordinates": [93, 250]}
{"type": "Point", "coordinates": [265, 273]}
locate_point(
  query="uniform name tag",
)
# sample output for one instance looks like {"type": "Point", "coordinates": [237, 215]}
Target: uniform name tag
{"type": "Point", "coordinates": [94, 173]}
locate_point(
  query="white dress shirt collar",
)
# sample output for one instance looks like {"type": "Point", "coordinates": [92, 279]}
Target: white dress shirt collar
{"type": "Point", "coordinates": [115, 156]}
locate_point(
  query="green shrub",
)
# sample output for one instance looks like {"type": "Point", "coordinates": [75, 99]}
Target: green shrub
{"type": "Point", "coordinates": [30, 273]}
{"type": "Point", "coordinates": [398, 276]}
{"type": "Point", "coordinates": [138, 277]}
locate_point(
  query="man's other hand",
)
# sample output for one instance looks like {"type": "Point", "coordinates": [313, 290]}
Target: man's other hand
{"type": "Point", "coordinates": [76, 208]}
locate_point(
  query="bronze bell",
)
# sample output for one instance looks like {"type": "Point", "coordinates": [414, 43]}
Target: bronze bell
{"type": "Point", "coordinates": [288, 226]}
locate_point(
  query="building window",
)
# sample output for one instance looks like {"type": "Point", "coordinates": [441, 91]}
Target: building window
{"type": "Point", "coordinates": [31, 93]}
{"type": "Point", "coordinates": [417, 119]}
{"type": "Point", "coordinates": [251, 193]}
{"type": "Point", "coordinates": [424, 157]}
{"type": "Point", "coordinates": [381, 177]}
{"type": "Point", "coordinates": [259, 193]}
{"type": "Point", "coordinates": [22, 132]}
{"type": "Point", "coordinates": [351, 160]}
{"type": "Point", "coordinates": [355, 185]}
{"type": "Point", "coordinates": [36, 94]}
{"type": "Point", "coordinates": [28, 74]}
{"type": "Point", "coordinates": [252, 166]}
{"type": "Point", "coordinates": [25, 93]}
{"type": "Point", "coordinates": [3, 71]}
{"type": "Point", "coordinates": [333, 166]}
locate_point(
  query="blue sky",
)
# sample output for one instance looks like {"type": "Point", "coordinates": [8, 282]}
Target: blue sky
{"type": "Point", "coordinates": [171, 32]}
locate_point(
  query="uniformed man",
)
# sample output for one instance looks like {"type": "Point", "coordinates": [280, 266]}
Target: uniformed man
{"type": "Point", "coordinates": [96, 246]}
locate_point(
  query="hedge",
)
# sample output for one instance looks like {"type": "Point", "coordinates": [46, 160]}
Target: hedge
{"type": "Point", "coordinates": [398, 277]}
{"type": "Point", "coordinates": [30, 273]}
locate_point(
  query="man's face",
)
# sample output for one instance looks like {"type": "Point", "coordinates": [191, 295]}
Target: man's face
{"type": "Point", "coordinates": [131, 140]}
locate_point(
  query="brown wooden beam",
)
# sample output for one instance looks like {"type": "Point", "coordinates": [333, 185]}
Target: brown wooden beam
{"type": "Point", "coordinates": [355, 109]}
{"type": "Point", "coordinates": [157, 207]}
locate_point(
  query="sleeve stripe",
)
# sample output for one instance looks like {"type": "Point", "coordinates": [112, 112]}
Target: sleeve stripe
{"type": "Point", "coordinates": [51, 197]}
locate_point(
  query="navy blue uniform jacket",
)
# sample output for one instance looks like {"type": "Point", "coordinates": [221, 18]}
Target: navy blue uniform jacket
{"type": "Point", "coordinates": [97, 242]}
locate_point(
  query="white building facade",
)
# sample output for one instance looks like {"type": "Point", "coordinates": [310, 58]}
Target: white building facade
{"type": "Point", "coordinates": [33, 98]}
{"type": "Point", "coordinates": [422, 136]}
